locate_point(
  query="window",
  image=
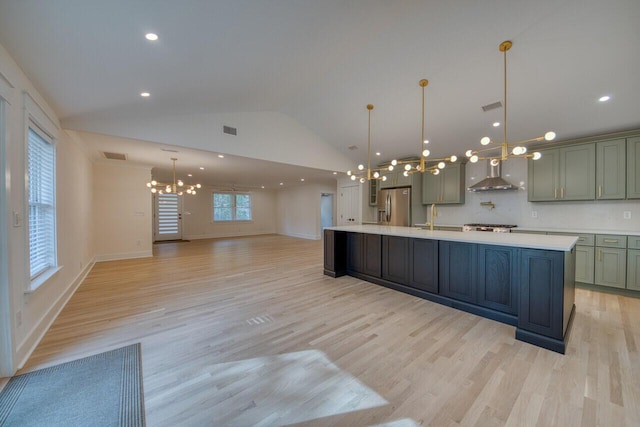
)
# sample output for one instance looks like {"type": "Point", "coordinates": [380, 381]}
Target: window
{"type": "Point", "coordinates": [42, 209]}
{"type": "Point", "coordinates": [232, 207]}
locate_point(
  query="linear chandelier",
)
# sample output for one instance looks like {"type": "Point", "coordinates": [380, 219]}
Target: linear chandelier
{"type": "Point", "coordinates": [507, 150]}
{"type": "Point", "coordinates": [411, 166]}
{"type": "Point", "coordinates": [176, 187]}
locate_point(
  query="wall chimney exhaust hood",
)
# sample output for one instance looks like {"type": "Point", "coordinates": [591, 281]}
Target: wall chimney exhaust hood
{"type": "Point", "coordinates": [493, 181]}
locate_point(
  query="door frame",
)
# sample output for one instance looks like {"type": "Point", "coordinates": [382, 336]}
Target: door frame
{"type": "Point", "coordinates": [331, 196]}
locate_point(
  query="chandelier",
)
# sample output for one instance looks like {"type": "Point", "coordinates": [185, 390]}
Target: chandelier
{"type": "Point", "coordinates": [411, 165]}
{"type": "Point", "coordinates": [176, 187]}
{"type": "Point", "coordinates": [507, 150]}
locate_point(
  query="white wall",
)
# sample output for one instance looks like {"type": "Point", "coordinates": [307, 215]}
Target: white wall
{"type": "Point", "coordinates": [197, 220]}
{"type": "Point", "coordinates": [512, 207]}
{"type": "Point", "coordinates": [123, 220]}
{"type": "Point", "coordinates": [298, 210]}
{"type": "Point", "coordinates": [38, 309]}
{"type": "Point", "coordinates": [264, 135]}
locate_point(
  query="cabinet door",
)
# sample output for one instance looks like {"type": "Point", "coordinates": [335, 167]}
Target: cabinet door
{"type": "Point", "coordinates": [633, 269]}
{"type": "Point", "coordinates": [395, 259]}
{"type": "Point", "coordinates": [423, 269]}
{"type": "Point", "coordinates": [543, 177]}
{"type": "Point", "coordinates": [611, 267]}
{"type": "Point", "coordinates": [390, 182]}
{"type": "Point", "coordinates": [611, 174]}
{"type": "Point", "coordinates": [354, 252]}
{"type": "Point", "coordinates": [577, 172]}
{"type": "Point", "coordinates": [584, 264]}
{"type": "Point", "coordinates": [373, 192]}
{"type": "Point", "coordinates": [372, 259]}
{"type": "Point", "coordinates": [430, 188]}
{"type": "Point", "coordinates": [452, 187]}
{"type": "Point", "coordinates": [401, 180]}
{"type": "Point", "coordinates": [497, 278]}
{"type": "Point", "coordinates": [541, 292]}
{"type": "Point", "coordinates": [633, 168]}
{"type": "Point", "coordinates": [457, 270]}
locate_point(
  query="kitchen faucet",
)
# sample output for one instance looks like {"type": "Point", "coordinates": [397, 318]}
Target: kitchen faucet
{"type": "Point", "coordinates": [434, 214]}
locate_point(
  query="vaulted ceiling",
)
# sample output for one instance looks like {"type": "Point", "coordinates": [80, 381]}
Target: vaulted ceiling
{"type": "Point", "coordinates": [321, 62]}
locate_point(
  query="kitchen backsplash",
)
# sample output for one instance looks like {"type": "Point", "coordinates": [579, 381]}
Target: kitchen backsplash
{"type": "Point", "coordinates": [512, 207]}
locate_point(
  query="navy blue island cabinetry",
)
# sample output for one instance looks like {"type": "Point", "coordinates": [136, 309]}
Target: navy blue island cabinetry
{"type": "Point", "coordinates": [527, 282]}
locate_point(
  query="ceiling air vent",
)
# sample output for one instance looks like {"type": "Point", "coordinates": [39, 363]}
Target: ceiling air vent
{"type": "Point", "coordinates": [352, 147]}
{"type": "Point", "coordinates": [114, 156]}
{"type": "Point", "coordinates": [229, 130]}
{"type": "Point", "coordinates": [492, 106]}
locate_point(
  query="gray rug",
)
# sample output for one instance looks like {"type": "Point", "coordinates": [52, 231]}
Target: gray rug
{"type": "Point", "coordinates": [100, 390]}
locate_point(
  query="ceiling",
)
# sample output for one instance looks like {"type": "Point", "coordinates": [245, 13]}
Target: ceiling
{"type": "Point", "coordinates": [321, 62]}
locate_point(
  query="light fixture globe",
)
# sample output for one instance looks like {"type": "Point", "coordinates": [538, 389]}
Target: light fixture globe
{"type": "Point", "coordinates": [536, 155]}
{"type": "Point", "coordinates": [550, 136]}
{"type": "Point", "coordinates": [407, 167]}
{"type": "Point", "coordinates": [468, 153]}
{"type": "Point", "coordinates": [485, 140]}
{"type": "Point", "coordinates": [394, 162]}
{"type": "Point", "coordinates": [390, 167]}
{"type": "Point", "coordinates": [426, 153]}
{"type": "Point", "coordinates": [453, 159]}
{"type": "Point", "coordinates": [474, 159]}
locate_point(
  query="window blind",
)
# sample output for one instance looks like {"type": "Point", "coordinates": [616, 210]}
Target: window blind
{"type": "Point", "coordinates": [42, 228]}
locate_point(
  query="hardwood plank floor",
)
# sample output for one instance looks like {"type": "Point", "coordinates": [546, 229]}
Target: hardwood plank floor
{"type": "Point", "coordinates": [248, 331]}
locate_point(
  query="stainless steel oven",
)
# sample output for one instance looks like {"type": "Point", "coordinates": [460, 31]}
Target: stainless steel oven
{"type": "Point", "coordinates": [495, 228]}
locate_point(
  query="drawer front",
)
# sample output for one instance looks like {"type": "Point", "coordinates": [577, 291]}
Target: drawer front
{"type": "Point", "coordinates": [611, 241]}
{"type": "Point", "coordinates": [633, 242]}
{"type": "Point", "coordinates": [583, 239]}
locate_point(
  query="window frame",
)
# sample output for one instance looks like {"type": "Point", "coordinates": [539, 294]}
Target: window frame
{"type": "Point", "coordinates": [40, 276]}
{"type": "Point", "coordinates": [233, 207]}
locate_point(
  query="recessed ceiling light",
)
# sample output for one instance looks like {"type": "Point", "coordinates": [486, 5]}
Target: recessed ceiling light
{"type": "Point", "coordinates": [377, 153]}
{"type": "Point", "coordinates": [221, 156]}
{"type": "Point", "coordinates": [335, 173]}
{"type": "Point", "coordinates": [282, 183]}
{"type": "Point", "coordinates": [262, 186]}
{"type": "Point", "coordinates": [426, 141]}
{"type": "Point", "coordinates": [604, 98]}
{"type": "Point", "coordinates": [496, 124]}
{"type": "Point", "coordinates": [201, 168]}
{"type": "Point", "coordinates": [151, 37]}
{"type": "Point", "coordinates": [145, 94]}
{"type": "Point", "coordinates": [189, 174]}
{"type": "Point", "coordinates": [302, 179]}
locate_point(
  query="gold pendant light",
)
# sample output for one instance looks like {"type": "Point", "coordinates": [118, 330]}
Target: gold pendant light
{"type": "Point", "coordinates": [176, 187]}
{"type": "Point", "coordinates": [507, 150]}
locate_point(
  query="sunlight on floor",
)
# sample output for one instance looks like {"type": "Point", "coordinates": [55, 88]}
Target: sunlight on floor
{"type": "Point", "coordinates": [297, 387]}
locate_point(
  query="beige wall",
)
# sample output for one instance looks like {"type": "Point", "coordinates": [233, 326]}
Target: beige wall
{"type": "Point", "coordinates": [123, 218]}
{"type": "Point", "coordinates": [197, 220]}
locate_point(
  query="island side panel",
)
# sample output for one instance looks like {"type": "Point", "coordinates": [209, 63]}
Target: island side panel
{"type": "Point", "coordinates": [335, 253]}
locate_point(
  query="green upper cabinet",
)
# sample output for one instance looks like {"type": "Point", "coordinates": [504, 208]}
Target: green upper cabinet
{"type": "Point", "coordinates": [566, 173]}
{"type": "Point", "coordinates": [373, 192]}
{"type": "Point", "coordinates": [633, 168]}
{"type": "Point", "coordinates": [611, 170]}
{"type": "Point", "coordinates": [395, 179]}
{"type": "Point", "coordinates": [445, 188]}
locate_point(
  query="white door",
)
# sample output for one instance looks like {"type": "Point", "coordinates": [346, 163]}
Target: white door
{"type": "Point", "coordinates": [168, 217]}
{"type": "Point", "coordinates": [349, 205]}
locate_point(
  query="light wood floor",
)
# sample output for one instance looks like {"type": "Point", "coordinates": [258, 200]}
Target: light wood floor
{"type": "Point", "coordinates": [247, 331]}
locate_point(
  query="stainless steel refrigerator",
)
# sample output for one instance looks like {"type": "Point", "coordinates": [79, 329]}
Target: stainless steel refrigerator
{"type": "Point", "coordinates": [394, 206]}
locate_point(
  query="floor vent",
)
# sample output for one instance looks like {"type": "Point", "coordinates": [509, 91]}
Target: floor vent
{"type": "Point", "coordinates": [259, 320]}
{"type": "Point", "coordinates": [229, 130]}
{"type": "Point", "coordinates": [492, 106]}
{"type": "Point", "coordinates": [114, 156]}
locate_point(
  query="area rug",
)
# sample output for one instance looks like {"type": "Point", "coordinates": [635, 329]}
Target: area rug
{"type": "Point", "coordinates": [100, 390]}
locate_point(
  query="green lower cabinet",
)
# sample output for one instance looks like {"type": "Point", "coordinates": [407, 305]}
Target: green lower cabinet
{"type": "Point", "coordinates": [633, 269]}
{"type": "Point", "coordinates": [611, 267]}
{"type": "Point", "coordinates": [584, 264]}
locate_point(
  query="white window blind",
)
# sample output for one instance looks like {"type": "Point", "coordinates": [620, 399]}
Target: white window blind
{"type": "Point", "coordinates": [42, 211]}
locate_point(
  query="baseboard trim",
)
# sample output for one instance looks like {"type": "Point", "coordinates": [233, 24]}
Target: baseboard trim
{"type": "Point", "coordinates": [302, 236]}
{"type": "Point", "coordinates": [52, 314]}
{"type": "Point", "coordinates": [125, 255]}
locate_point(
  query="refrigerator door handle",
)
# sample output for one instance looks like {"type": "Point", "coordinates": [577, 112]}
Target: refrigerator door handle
{"type": "Point", "coordinates": [388, 207]}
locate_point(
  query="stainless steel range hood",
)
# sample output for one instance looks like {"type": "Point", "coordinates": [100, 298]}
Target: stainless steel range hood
{"type": "Point", "coordinates": [493, 181]}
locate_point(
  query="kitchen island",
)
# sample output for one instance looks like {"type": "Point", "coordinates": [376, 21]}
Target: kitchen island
{"type": "Point", "coordinates": [524, 280]}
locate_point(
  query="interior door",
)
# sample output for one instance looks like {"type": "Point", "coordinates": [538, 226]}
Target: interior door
{"type": "Point", "coordinates": [349, 205]}
{"type": "Point", "coordinates": [168, 217]}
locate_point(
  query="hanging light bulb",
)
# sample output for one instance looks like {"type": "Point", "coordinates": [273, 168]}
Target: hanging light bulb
{"type": "Point", "coordinates": [169, 188]}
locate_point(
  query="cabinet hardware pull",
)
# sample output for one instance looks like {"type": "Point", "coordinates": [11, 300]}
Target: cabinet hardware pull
{"type": "Point", "coordinates": [562, 192]}
{"type": "Point", "coordinates": [581, 239]}
{"type": "Point", "coordinates": [610, 240]}
{"type": "Point", "coordinates": [599, 255]}
{"type": "Point", "coordinates": [555, 193]}
{"type": "Point", "coordinates": [599, 190]}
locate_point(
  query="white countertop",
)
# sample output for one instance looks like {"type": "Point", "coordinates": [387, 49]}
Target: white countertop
{"type": "Point", "coordinates": [532, 241]}
{"type": "Point", "coordinates": [581, 231]}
